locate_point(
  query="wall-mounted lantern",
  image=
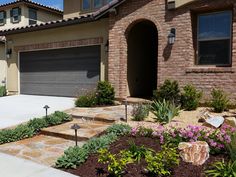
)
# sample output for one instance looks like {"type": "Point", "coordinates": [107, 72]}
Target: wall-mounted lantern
{"type": "Point", "coordinates": [107, 46]}
{"type": "Point", "coordinates": [8, 53]}
{"type": "Point", "coordinates": [172, 36]}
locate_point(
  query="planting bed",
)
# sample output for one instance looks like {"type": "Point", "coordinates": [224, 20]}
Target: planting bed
{"type": "Point", "coordinates": [91, 167]}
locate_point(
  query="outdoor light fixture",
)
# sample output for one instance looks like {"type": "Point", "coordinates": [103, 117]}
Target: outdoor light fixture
{"type": "Point", "coordinates": [171, 36]}
{"type": "Point", "coordinates": [8, 53]}
{"type": "Point", "coordinates": [126, 110]}
{"type": "Point", "coordinates": [76, 127]}
{"type": "Point", "coordinates": [107, 46]}
{"type": "Point", "coordinates": [46, 107]}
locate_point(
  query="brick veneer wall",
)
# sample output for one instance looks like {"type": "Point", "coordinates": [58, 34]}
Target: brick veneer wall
{"type": "Point", "coordinates": [174, 62]}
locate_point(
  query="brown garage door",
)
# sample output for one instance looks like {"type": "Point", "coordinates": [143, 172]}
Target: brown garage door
{"type": "Point", "coordinates": [61, 72]}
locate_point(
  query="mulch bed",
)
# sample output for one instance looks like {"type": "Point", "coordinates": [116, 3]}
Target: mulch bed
{"type": "Point", "coordinates": [91, 166]}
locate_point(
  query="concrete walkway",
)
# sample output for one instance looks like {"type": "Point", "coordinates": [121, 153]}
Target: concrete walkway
{"type": "Point", "coordinates": [11, 166]}
{"type": "Point", "coordinates": [21, 108]}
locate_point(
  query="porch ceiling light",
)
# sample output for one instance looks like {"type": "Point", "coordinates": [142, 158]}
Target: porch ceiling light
{"type": "Point", "coordinates": [171, 36]}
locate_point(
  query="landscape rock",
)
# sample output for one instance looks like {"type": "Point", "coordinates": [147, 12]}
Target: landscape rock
{"type": "Point", "coordinates": [196, 153]}
{"type": "Point", "coordinates": [231, 121]}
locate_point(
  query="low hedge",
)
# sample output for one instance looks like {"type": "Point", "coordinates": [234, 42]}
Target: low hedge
{"type": "Point", "coordinates": [33, 127]}
{"type": "Point", "coordinates": [75, 156]}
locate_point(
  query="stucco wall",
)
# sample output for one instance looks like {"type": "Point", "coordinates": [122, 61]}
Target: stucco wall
{"type": "Point", "coordinates": [3, 66]}
{"type": "Point", "coordinates": [71, 8]}
{"type": "Point", "coordinates": [43, 16]}
{"type": "Point", "coordinates": [75, 32]}
{"type": "Point", "coordinates": [174, 62]}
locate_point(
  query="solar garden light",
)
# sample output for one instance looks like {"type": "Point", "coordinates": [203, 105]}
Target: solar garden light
{"type": "Point", "coordinates": [76, 127]}
{"type": "Point", "coordinates": [46, 107]}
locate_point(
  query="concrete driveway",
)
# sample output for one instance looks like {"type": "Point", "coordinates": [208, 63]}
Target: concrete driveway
{"type": "Point", "coordinates": [21, 108]}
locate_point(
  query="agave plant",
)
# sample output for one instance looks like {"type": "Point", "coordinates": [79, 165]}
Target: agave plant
{"type": "Point", "coordinates": [164, 111]}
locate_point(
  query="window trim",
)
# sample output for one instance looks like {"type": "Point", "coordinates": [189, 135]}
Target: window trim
{"type": "Point", "coordinates": [31, 19]}
{"type": "Point", "coordinates": [4, 17]}
{"type": "Point", "coordinates": [215, 39]}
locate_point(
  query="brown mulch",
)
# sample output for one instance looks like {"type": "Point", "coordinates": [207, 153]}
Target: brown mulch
{"type": "Point", "coordinates": [91, 167]}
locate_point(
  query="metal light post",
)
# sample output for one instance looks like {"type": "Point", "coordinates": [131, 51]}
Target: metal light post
{"type": "Point", "coordinates": [126, 110]}
{"type": "Point", "coordinates": [76, 127]}
{"type": "Point", "coordinates": [46, 107]}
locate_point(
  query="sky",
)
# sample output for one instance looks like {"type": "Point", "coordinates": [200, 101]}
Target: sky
{"type": "Point", "coordinates": [54, 3]}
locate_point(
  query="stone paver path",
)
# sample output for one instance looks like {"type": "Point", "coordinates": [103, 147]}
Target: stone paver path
{"type": "Point", "coordinates": [111, 113]}
{"type": "Point", "coordinates": [88, 129]}
{"type": "Point", "coordinates": [41, 149]}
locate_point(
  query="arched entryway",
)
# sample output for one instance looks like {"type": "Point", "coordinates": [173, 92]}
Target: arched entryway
{"type": "Point", "coordinates": [142, 40]}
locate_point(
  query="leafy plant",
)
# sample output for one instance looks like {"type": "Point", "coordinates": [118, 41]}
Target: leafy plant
{"type": "Point", "coordinates": [116, 162]}
{"type": "Point", "coordinates": [222, 169]}
{"type": "Point", "coordinates": [190, 98]}
{"type": "Point", "coordinates": [142, 131]}
{"type": "Point", "coordinates": [87, 100]}
{"type": "Point", "coordinates": [219, 100]}
{"type": "Point", "coordinates": [164, 111]}
{"type": "Point", "coordinates": [31, 128]}
{"type": "Point", "coordinates": [118, 129]}
{"type": "Point", "coordinates": [74, 156]}
{"type": "Point", "coordinates": [138, 152]}
{"type": "Point", "coordinates": [169, 91]}
{"type": "Point", "coordinates": [3, 91]}
{"type": "Point", "coordinates": [105, 93]}
{"type": "Point", "coordinates": [160, 163]}
{"type": "Point", "coordinates": [231, 147]}
{"type": "Point", "coordinates": [140, 112]}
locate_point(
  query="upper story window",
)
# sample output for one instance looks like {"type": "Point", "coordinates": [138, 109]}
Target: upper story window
{"type": "Point", "coordinates": [32, 16]}
{"type": "Point", "coordinates": [214, 38]}
{"type": "Point", "coordinates": [15, 15]}
{"type": "Point", "coordinates": [88, 5]}
{"type": "Point", "coordinates": [2, 17]}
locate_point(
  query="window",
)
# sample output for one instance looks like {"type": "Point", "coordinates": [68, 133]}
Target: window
{"type": "Point", "coordinates": [86, 5]}
{"type": "Point", "coordinates": [32, 16]}
{"type": "Point", "coordinates": [97, 3]}
{"type": "Point", "coordinates": [214, 38]}
{"type": "Point", "coordinates": [15, 15]}
{"type": "Point", "coordinates": [2, 17]}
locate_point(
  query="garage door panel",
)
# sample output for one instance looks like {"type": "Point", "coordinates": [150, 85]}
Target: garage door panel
{"type": "Point", "coordinates": [62, 72]}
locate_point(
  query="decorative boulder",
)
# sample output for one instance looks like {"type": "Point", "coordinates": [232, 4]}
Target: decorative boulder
{"type": "Point", "coordinates": [231, 121]}
{"type": "Point", "coordinates": [196, 153]}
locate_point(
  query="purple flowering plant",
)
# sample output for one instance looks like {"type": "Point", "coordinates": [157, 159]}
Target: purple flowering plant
{"type": "Point", "coordinates": [216, 138]}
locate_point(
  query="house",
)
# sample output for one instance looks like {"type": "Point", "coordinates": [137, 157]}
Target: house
{"type": "Point", "coordinates": [135, 44]}
{"type": "Point", "coordinates": [18, 14]}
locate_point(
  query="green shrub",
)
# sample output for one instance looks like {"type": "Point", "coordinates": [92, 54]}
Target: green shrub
{"type": "Point", "coordinates": [164, 111]}
{"type": "Point", "coordinates": [3, 91]}
{"type": "Point", "coordinates": [105, 93]}
{"type": "Point", "coordinates": [88, 100]}
{"type": "Point", "coordinates": [119, 129]}
{"type": "Point", "coordinates": [75, 156]}
{"type": "Point", "coordinates": [72, 157]}
{"type": "Point", "coordinates": [231, 147]}
{"type": "Point", "coordinates": [169, 91]}
{"type": "Point", "coordinates": [190, 98]}
{"type": "Point", "coordinates": [161, 163]}
{"type": "Point", "coordinates": [116, 162]}
{"type": "Point", "coordinates": [31, 128]}
{"type": "Point", "coordinates": [219, 100]}
{"type": "Point", "coordinates": [140, 112]}
{"type": "Point", "coordinates": [222, 169]}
